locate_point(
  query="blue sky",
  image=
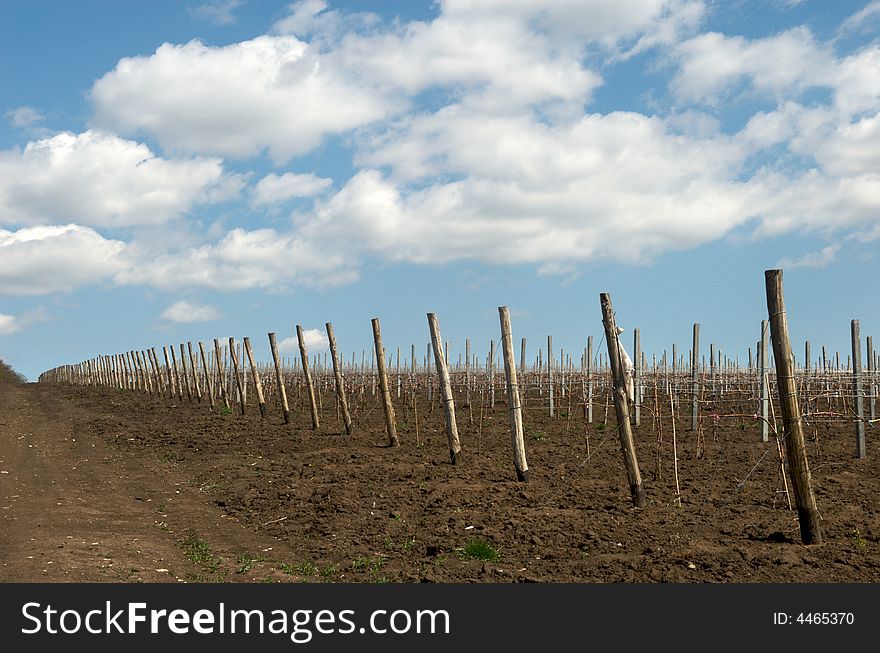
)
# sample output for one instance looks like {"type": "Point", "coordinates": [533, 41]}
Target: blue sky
{"type": "Point", "coordinates": [174, 171]}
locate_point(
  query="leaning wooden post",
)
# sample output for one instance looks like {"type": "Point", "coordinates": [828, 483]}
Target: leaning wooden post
{"type": "Point", "coordinates": [763, 357]}
{"type": "Point", "coordinates": [221, 373]}
{"type": "Point", "coordinates": [620, 404]}
{"type": "Point", "coordinates": [513, 399]}
{"type": "Point", "coordinates": [195, 372]}
{"type": "Point", "coordinates": [858, 389]}
{"type": "Point", "coordinates": [808, 512]}
{"type": "Point", "coordinates": [390, 426]}
{"type": "Point", "coordinates": [310, 388]}
{"type": "Point", "coordinates": [695, 379]}
{"type": "Point", "coordinates": [340, 385]}
{"type": "Point", "coordinates": [279, 378]}
{"type": "Point", "coordinates": [261, 399]}
{"type": "Point", "coordinates": [445, 389]}
{"type": "Point", "coordinates": [234, 356]}
{"type": "Point", "coordinates": [171, 387]}
{"type": "Point", "coordinates": [209, 382]}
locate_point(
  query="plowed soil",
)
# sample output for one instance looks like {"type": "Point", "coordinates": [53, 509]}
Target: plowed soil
{"type": "Point", "coordinates": [119, 486]}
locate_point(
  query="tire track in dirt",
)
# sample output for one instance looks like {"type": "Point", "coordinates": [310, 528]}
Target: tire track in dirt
{"type": "Point", "coordinates": [73, 509]}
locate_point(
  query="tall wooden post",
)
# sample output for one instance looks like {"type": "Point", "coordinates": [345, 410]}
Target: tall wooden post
{"type": "Point", "coordinates": [695, 379]}
{"type": "Point", "coordinates": [221, 373]}
{"type": "Point", "coordinates": [620, 404]}
{"type": "Point", "coordinates": [279, 379]}
{"type": "Point", "coordinates": [184, 375]}
{"type": "Point", "coordinates": [491, 371]}
{"type": "Point", "coordinates": [233, 354]}
{"type": "Point", "coordinates": [513, 399]}
{"type": "Point", "coordinates": [390, 425]}
{"type": "Point", "coordinates": [209, 382]}
{"type": "Point", "coordinates": [310, 388]}
{"type": "Point", "coordinates": [637, 377]}
{"type": "Point", "coordinates": [589, 379]}
{"type": "Point", "coordinates": [445, 389]}
{"type": "Point", "coordinates": [872, 380]}
{"type": "Point", "coordinates": [550, 374]}
{"type": "Point", "coordinates": [170, 385]}
{"type": "Point", "coordinates": [808, 512]}
{"type": "Point", "coordinates": [467, 372]}
{"type": "Point", "coordinates": [195, 372]}
{"type": "Point", "coordinates": [255, 375]}
{"type": "Point", "coordinates": [522, 360]}
{"type": "Point", "coordinates": [764, 377]}
{"type": "Point", "coordinates": [858, 389]}
{"type": "Point", "coordinates": [340, 385]}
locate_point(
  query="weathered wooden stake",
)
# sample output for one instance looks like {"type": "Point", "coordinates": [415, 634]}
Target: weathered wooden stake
{"type": "Point", "coordinates": [221, 374]}
{"type": "Point", "coordinates": [637, 377]}
{"type": "Point", "coordinates": [209, 382]}
{"type": "Point", "coordinates": [255, 375]}
{"type": "Point", "coordinates": [764, 377]}
{"type": "Point", "coordinates": [513, 398]}
{"type": "Point", "coordinates": [445, 389]}
{"type": "Point", "coordinates": [390, 425]}
{"type": "Point", "coordinates": [808, 512]}
{"type": "Point", "coordinates": [310, 388]}
{"type": "Point", "coordinates": [858, 389]}
{"type": "Point", "coordinates": [195, 372]}
{"type": "Point", "coordinates": [279, 379]}
{"type": "Point", "coordinates": [340, 385]}
{"type": "Point", "coordinates": [695, 379]}
{"type": "Point", "coordinates": [620, 404]}
{"type": "Point", "coordinates": [238, 380]}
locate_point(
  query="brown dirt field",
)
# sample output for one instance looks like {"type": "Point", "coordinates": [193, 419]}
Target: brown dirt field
{"type": "Point", "coordinates": [118, 486]}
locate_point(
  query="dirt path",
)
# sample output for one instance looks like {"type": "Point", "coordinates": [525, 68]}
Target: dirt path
{"type": "Point", "coordinates": [73, 509]}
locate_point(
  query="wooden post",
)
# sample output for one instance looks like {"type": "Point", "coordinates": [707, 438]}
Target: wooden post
{"type": "Point", "coordinates": [550, 374]}
{"type": "Point", "coordinates": [221, 373]}
{"type": "Point", "coordinates": [764, 378]}
{"type": "Point", "coordinates": [513, 398]}
{"type": "Point", "coordinates": [858, 389]}
{"type": "Point", "coordinates": [491, 370]}
{"type": "Point", "coordinates": [184, 375]}
{"type": "Point", "coordinates": [255, 375]}
{"type": "Point", "coordinates": [310, 388]}
{"type": "Point", "coordinates": [238, 380]}
{"type": "Point", "coordinates": [195, 372]}
{"type": "Point", "coordinates": [390, 425]}
{"type": "Point", "coordinates": [872, 381]}
{"type": "Point", "coordinates": [522, 360]}
{"type": "Point", "coordinates": [620, 404]}
{"type": "Point", "coordinates": [637, 377]}
{"type": "Point", "coordinates": [695, 378]}
{"type": "Point", "coordinates": [279, 379]}
{"type": "Point", "coordinates": [209, 382]}
{"type": "Point", "coordinates": [467, 372]}
{"type": "Point", "coordinates": [808, 512]}
{"type": "Point", "coordinates": [337, 373]}
{"type": "Point", "coordinates": [589, 379]}
{"type": "Point", "coordinates": [170, 385]}
{"type": "Point", "coordinates": [445, 389]}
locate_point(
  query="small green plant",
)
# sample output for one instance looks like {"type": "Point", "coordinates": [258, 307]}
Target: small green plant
{"type": "Point", "coordinates": [409, 543]}
{"type": "Point", "coordinates": [858, 539]}
{"type": "Point", "coordinates": [225, 410]}
{"type": "Point", "coordinates": [245, 563]}
{"type": "Point", "coordinates": [160, 508]}
{"type": "Point", "coordinates": [329, 571]}
{"type": "Point", "coordinates": [600, 426]}
{"type": "Point", "coordinates": [199, 552]}
{"type": "Point", "coordinates": [306, 569]}
{"type": "Point", "coordinates": [478, 549]}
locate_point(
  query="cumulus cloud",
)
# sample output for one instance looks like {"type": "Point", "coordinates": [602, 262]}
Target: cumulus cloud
{"type": "Point", "coordinates": [22, 117]}
{"type": "Point", "coordinates": [185, 312]}
{"type": "Point", "coordinates": [263, 258]}
{"type": "Point", "coordinates": [218, 12]}
{"type": "Point", "coordinates": [315, 341]}
{"type": "Point", "coordinates": [820, 259]}
{"type": "Point", "coordinates": [102, 180]}
{"type": "Point", "coordinates": [47, 259]}
{"type": "Point", "coordinates": [274, 189]}
{"type": "Point", "coordinates": [271, 93]}
{"type": "Point", "coordinates": [10, 324]}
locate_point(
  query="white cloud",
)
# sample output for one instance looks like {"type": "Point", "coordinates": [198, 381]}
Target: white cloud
{"type": "Point", "coordinates": [315, 341]}
{"type": "Point", "coordinates": [47, 259]}
{"type": "Point", "coordinates": [23, 117]}
{"type": "Point", "coordinates": [273, 189]}
{"type": "Point", "coordinates": [858, 20]}
{"type": "Point", "coordinates": [185, 312]}
{"type": "Point", "coordinates": [218, 12]}
{"type": "Point", "coordinates": [711, 64]}
{"type": "Point", "coordinates": [270, 93]}
{"type": "Point", "coordinates": [820, 259]}
{"type": "Point", "coordinates": [99, 179]}
{"type": "Point", "coordinates": [9, 324]}
{"type": "Point", "coordinates": [263, 258]}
